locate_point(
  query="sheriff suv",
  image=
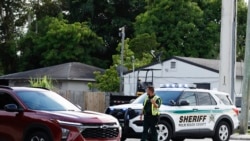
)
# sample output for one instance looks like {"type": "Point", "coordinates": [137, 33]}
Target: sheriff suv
{"type": "Point", "coordinates": [36, 114]}
{"type": "Point", "coordinates": [185, 113]}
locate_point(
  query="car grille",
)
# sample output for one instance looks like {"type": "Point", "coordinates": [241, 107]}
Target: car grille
{"type": "Point", "coordinates": [102, 131]}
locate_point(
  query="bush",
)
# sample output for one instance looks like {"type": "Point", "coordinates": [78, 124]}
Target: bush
{"type": "Point", "coordinates": [44, 82]}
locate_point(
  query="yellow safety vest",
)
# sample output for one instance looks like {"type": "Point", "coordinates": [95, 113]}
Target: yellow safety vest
{"type": "Point", "coordinates": [155, 111]}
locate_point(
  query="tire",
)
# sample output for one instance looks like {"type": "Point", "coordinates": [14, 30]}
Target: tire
{"type": "Point", "coordinates": [164, 131]}
{"type": "Point", "coordinates": [222, 132]}
{"type": "Point", "coordinates": [38, 136]}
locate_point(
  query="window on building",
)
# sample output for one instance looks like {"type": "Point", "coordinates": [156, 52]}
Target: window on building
{"type": "Point", "coordinates": [173, 65]}
{"type": "Point", "coordinates": [203, 85]}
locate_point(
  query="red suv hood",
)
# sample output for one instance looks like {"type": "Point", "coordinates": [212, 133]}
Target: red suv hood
{"type": "Point", "coordinates": [81, 117]}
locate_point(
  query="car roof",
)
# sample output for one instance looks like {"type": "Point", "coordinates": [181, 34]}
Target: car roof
{"type": "Point", "coordinates": [170, 89]}
{"type": "Point", "coordinates": [24, 88]}
{"type": "Point", "coordinates": [193, 90]}
{"type": "Point", "coordinates": [205, 90]}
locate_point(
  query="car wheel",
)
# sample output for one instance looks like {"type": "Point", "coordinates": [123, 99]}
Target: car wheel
{"type": "Point", "coordinates": [222, 132]}
{"type": "Point", "coordinates": [164, 131]}
{"type": "Point", "coordinates": [38, 136]}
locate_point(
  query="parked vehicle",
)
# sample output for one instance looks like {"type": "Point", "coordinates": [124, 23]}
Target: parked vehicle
{"type": "Point", "coordinates": [238, 100]}
{"type": "Point", "coordinates": [120, 99]}
{"type": "Point", "coordinates": [36, 114]}
{"type": "Point", "coordinates": [185, 113]}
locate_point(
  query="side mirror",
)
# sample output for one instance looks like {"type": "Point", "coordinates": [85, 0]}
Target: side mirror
{"type": "Point", "coordinates": [78, 106]}
{"type": "Point", "coordinates": [12, 108]}
{"type": "Point", "coordinates": [173, 102]}
{"type": "Point", "coordinates": [132, 100]}
{"type": "Point", "coordinates": [184, 103]}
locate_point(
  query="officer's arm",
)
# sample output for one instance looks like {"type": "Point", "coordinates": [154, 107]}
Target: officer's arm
{"type": "Point", "coordinates": [142, 112]}
{"type": "Point", "coordinates": [154, 102]}
{"type": "Point", "coordinates": [158, 102]}
{"type": "Point", "coordinates": [156, 105]}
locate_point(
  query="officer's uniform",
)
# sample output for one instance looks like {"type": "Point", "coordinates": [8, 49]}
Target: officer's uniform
{"type": "Point", "coordinates": [151, 115]}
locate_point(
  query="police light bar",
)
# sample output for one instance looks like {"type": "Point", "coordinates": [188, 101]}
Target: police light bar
{"type": "Point", "coordinates": [177, 85]}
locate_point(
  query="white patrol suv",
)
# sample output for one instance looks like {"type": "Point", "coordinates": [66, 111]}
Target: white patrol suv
{"type": "Point", "coordinates": [185, 113]}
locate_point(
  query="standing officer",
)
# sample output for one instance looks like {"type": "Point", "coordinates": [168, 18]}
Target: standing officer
{"type": "Point", "coordinates": [151, 113]}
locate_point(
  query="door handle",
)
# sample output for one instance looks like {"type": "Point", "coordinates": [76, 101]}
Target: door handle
{"type": "Point", "coordinates": [195, 109]}
{"type": "Point", "coordinates": [216, 108]}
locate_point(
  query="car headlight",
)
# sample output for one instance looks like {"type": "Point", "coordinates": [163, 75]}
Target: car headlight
{"type": "Point", "coordinates": [79, 126]}
{"type": "Point", "coordinates": [109, 110]}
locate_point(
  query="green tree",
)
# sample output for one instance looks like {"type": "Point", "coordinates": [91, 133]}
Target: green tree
{"type": "Point", "coordinates": [189, 27]}
{"type": "Point", "coordinates": [59, 42]}
{"type": "Point", "coordinates": [209, 29]}
{"type": "Point", "coordinates": [40, 9]}
{"type": "Point", "coordinates": [111, 75]}
{"type": "Point", "coordinates": [146, 41]}
{"type": "Point", "coordinates": [127, 57]}
{"type": "Point", "coordinates": [12, 18]}
{"type": "Point", "coordinates": [212, 17]}
{"type": "Point", "coordinates": [43, 8]}
{"type": "Point", "coordinates": [241, 29]}
{"type": "Point", "coordinates": [175, 24]}
{"type": "Point", "coordinates": [107, 82]}
{"type": "Point", "coordinates": [105, 18]}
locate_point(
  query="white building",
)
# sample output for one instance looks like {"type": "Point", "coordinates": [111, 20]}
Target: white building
{"type": "Point", "coordinates": [202, 72]}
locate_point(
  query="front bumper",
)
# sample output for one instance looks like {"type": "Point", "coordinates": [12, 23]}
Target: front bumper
{"type": "Point", "coordinates": [129, 121]}
{"type": "Point", "coordinates": [94, 132]}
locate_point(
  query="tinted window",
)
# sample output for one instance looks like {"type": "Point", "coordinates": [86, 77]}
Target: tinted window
{"type": "Point", "coordinates": [6, 99]}
{"type": "Point", "coordinates": [225, 99]}
{"type": "Point", "coordinates": [190, 97]}
{"type": "Point", "coordinates": [205, 99]}
{"type": "Point", "coordinates": [166, 97]}
{"type": "Point", "coordinates": [45, 100]}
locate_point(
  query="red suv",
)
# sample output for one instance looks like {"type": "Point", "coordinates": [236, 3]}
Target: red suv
{"type": "Point", "coordinates": [36, 114]}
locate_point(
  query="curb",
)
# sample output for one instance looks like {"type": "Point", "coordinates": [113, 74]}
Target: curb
{"type": "Point", "coordinates": [240, 137]}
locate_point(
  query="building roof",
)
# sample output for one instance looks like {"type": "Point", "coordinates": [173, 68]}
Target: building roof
{"type": "Point", "coordinates": [67, 71]}
{"type": "Point", "coordinates": [209, 64]}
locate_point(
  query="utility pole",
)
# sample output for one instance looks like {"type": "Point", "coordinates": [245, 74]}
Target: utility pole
{"type": "Point", "coordinates": [122, 34]}
{"type": "Point", "coordinates": [228, 46]}
{"type": "Point", "coordinates": [246, 80]}
{"type": "Point", "coordinates": [134, 82]}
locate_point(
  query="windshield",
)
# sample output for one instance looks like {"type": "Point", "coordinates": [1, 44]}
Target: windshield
{"type": "Point", "coordinates": [45, 100]}
{"type": "Point", "coordinates": [166, 97]}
